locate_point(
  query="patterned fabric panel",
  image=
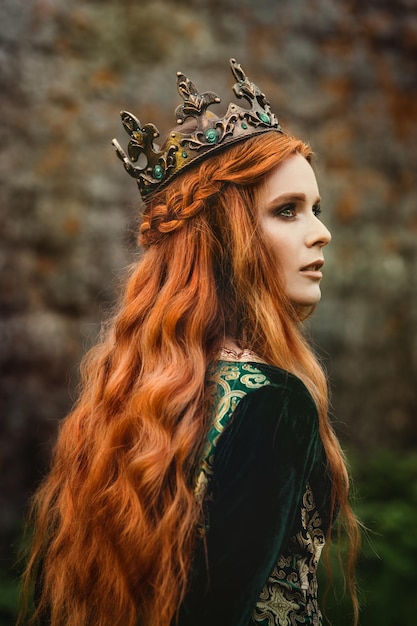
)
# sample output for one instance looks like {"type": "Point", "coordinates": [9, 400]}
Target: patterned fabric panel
{"type": "Point", "coordinates": [289, 597]}
{"type": "Point", "coordinates": [232, 382]}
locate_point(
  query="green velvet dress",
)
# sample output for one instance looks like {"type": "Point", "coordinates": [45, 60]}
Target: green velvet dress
{"type": "Point", "coordinates": [266, 492]}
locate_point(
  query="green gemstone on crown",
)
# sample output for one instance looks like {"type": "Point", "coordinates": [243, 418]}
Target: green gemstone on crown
{"type": "Point", "coordinates": [158, 172]}
{"type": "Point", "coordinates": [244, 125]}
{"type": "Point", "coordinates": [184, 155]}
{"type": "Point", "coordinates": [264, 117]}
{"type": "Point", "coordinates": [212, 135]}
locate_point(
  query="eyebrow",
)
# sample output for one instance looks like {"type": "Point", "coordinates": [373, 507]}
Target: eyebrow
{"type": "Point", "coordinates": [290, 197]}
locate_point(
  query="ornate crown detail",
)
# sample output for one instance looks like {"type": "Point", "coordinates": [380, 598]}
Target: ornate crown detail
{"type": "Point", "coordinates": [210, 134]}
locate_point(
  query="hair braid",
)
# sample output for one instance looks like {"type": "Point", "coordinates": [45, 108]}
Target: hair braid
{"type": "Point", "coordinates": [168, 212]}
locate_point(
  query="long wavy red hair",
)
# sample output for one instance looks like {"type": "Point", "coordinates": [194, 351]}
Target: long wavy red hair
{"type": "Point", "coordinates": [115, 520]}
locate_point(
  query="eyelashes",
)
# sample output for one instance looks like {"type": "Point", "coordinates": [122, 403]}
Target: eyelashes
{"type": "Point", "coordinates": [289, 210]}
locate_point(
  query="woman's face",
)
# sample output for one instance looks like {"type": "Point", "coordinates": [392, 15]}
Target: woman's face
{"type": "Point", "coordinates": [289, 209]}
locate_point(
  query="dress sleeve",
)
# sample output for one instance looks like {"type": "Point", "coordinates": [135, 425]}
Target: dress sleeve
{"type": "Point", "coordinates": [262, 463]}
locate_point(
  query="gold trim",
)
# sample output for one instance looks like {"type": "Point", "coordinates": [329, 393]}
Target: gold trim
{"type": "Point", "coordinates": [245, 356]}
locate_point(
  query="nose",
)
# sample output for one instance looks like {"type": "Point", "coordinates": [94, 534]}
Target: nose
{"type": "Point", "coordinates": [319, 234]}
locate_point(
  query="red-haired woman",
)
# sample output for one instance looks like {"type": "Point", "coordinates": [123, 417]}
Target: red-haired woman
{"type": "Point", "coordinates": [197, 478]}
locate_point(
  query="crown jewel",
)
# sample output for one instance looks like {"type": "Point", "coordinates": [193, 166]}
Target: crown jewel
{"type": "Point", "coordinates": [156, 166]}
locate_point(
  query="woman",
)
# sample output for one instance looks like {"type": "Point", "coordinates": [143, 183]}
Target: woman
{"type": "Point", "coordinates": [197, 478]}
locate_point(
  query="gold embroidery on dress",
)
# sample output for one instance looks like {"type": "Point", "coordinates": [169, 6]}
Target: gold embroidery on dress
{"type": "Point", "coordinates": [283, 607]}
{"type": "Point", "coordinates": [290, 593]}
{"type": "Point", "coordinates": [311, 538]}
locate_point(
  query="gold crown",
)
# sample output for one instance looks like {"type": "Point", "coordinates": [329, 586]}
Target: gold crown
{"type": "Point", "coordinates": [210, 134]}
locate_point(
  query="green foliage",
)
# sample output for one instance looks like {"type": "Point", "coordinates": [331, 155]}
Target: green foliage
{"type": "Point", "coordinates": [11, 567]}
{"type": "Point", "coordinates": [386, 503]}
{"type": "Point", "coordinates": [8, 599]}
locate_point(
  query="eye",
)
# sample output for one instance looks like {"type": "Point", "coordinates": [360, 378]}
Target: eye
{"type": "Point", "coordinates": [317, 210]}
{"type": "Point", "coordinates": [288, 210]}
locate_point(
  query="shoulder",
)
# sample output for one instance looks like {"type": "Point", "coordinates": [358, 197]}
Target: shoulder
{"type": "Point", "coordinates": [281, 404]}
{"type": "Point", "coordinates": [273, 426]}
{"type": "Point", "coordinates": [259, 413]}
{"type": "Point", "coordinates": [289, 388]}
{"type": "Point", "coordinates": [253, 396]}
{"type": "Point", "coordinates": [235, 380]}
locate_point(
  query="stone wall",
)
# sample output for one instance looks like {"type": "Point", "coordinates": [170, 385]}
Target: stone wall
{"type": "Point", "coordinates": [340, 74]}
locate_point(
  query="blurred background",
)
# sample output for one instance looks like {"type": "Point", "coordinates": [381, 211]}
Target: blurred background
{"type": "Point", "coordinates": [340, 74]}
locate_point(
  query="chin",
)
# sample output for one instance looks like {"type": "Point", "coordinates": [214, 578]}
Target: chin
{"type": "Point", "coordinates": [306, 300]}
{"type": "Point", "coordinates": [304, 307]}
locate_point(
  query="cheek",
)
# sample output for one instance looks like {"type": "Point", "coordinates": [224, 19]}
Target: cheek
{"type": "Point", "coordinates": [282, 250]}
{"type": "Point", "coordinates": [279, 239]}
{"type": "Point", "coordinates": [274, 236]}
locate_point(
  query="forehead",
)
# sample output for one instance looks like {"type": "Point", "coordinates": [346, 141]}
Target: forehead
{"type": "Point", "coordinates": [294, 175]}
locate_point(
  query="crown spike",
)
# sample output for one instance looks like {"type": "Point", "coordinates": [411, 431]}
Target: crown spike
{"type": "Point", "coordinates": [195, 104]}
{"type": "Point", "coordinates": [211, 133]}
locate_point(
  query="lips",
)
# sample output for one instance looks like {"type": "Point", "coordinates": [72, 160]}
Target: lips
{"type": "Point", "coordinates": [313, 267]}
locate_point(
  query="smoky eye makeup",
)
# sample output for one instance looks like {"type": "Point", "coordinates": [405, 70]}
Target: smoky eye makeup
{"type": "Point", "coordinates": [289, 205]}
{"type": "Point", "coordinates": [286, 203]}
{"type": "Point", "coordinates": [286, 210]}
